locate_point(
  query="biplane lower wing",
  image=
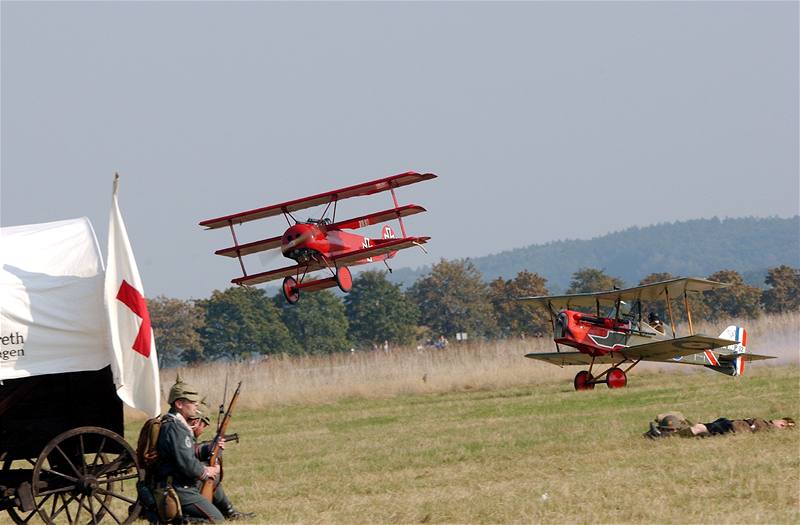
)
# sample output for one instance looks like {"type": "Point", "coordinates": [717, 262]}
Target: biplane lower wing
{"type": "Point", "coordinates": [572, 358]}
{"type": "Point", "coordinates": [659, 351]}
{"type": "Point", "coordinates": [381, 247]}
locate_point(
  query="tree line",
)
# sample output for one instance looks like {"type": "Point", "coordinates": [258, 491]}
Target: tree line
{"type": "Point", "coordinates": [452, 298]}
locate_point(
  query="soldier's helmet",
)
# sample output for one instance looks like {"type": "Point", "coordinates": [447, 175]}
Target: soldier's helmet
{"type": "Point", "coordinates": [182, 390]}
{"type": "Point", "coordinates": [671, 423]}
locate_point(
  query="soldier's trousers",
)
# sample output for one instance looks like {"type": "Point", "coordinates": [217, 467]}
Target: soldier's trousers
{"type": "Point", "coordinates": [194, 505]}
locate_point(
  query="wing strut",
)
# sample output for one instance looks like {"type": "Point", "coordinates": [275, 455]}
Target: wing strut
{"type": "Point", "coordinates": [688, 312]}
{"type": "Point", "coordinates": [236, 244]}
{"type": "Point", "coordinates": [669, 309]}
{"type": "Point", "coordinates": [399, 219]}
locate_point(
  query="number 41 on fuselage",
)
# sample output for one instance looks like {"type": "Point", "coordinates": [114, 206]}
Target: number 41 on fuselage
{"type": "Point", "coordinates": [323, 243]}
{"type": "Point", "coordinates": [616, 334]}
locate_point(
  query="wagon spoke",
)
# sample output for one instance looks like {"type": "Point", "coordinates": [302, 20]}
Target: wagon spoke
{"type": "Point", "coordinates": [80, 508]}
{"type": "Point", "coordinates": [107, 509]}
{"type": "Point", "coordinates": [56, 473]}
{"type": "Point", "coordinates": [99, 450]}
{"type": "Point", "coordinates": [115, 495]}
{"type": "Point", "coordinates": [69, 461]}
{"type": "Point", "coordinates": [83, 455]}
{"type": "Point", "coordinates": [57, 491]}
{"type": "Point", "coordinates": [91, 510]}
{"type": "Point", "coordinates": [64, 507]}
{"type": "Point", "coordinates": [114, 479]}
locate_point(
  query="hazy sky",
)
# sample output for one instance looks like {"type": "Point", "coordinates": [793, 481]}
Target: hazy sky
{"type": "Point", "coordinates": [543, 120]}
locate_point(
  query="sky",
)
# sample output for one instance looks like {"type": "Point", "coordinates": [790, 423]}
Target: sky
{"type": "Point", "coordinates": [543, 120]}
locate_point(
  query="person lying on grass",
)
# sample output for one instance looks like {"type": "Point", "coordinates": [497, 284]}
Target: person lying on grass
{"type": "Point", "coordinates": [675, 424]}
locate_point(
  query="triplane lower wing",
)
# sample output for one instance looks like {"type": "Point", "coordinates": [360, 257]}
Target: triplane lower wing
{"type": "Point", "coordinates": [615, 333]}
{"type": "Point", "coordinates": [324, 243]}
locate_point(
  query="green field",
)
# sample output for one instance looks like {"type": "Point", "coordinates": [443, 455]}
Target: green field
{"type": "Point", "coordinates": [536, 453]}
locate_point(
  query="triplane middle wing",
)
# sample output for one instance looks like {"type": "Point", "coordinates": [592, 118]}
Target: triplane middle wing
{"type": "Point", "coordinates": [324, 243]}
{"type": "Point", "coordinates": [615, 332]}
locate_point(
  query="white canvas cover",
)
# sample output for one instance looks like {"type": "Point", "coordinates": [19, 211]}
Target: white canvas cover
{"type": "Point", "coordinates": [52, 317]}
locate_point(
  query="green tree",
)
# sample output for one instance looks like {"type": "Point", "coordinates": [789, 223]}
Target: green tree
{"type": "Point", "coordinates": [453, 298]}
{"type": "Point", "coordinates": [783, 294]}
{"type": "Point", "coordinates": [240, 322]}
{"type": "Point", "coordinates": [588, 280]}
{"type": "Point", "coordinates": [517, 318]}
{"type": "Point", "coordinates": [379, 311]}
{"type": "Point", "coordinates": [317, 322]}
{"type": "Point", "coordinates": [737, 300]}
{"type": "Point", "coordinates": [175, 326]}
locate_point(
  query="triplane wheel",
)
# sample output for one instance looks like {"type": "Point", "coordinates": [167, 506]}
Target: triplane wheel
{"type": "Point", "coordinates": [584, 381]}
{"type": "Point", "coordinates": [290, 290]}
{"type": "Point", "coordinates": [80, 477]}
{"type": "Point", "coordinates": [616, 378]}
{"type": "Point", "coordinates": [344, 279]}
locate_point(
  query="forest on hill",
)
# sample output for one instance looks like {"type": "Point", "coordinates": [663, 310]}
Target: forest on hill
{"type": "Point", "coordinates": [697, 247]}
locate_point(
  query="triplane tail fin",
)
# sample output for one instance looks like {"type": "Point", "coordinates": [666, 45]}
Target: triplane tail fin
{"type": "Point", "coordinates": [731, 359]}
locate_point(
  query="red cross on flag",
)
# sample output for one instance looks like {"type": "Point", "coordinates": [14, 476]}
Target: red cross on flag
{"type": "Point", "coordinates": [135, 362]}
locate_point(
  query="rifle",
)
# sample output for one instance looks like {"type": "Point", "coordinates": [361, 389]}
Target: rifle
{"type": "Point", "coordinates": [208, 486]}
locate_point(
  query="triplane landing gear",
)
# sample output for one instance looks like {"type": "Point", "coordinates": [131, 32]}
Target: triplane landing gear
{"type": "Point", "coordinates": [614, 377]}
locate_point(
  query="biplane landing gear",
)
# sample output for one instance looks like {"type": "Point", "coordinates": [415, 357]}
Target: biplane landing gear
{"type": "Point", "coordinates": [584, 381]}
{"type": "Point", "coordinates": [616, 378]}
{"type": "Point", "coordinates": [82, 475]}
{"type": "Point", "coordinates": [290, 290]}
{"type": "Point", "coordinates": [344, 279]}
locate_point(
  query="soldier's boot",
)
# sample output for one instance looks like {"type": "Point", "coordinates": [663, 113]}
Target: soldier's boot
{"type": "Point", "coordinates": [232, 514]}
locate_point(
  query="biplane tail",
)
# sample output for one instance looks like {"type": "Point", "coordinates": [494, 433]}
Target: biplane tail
{"type": "Point", "coordinates": [731, 359]}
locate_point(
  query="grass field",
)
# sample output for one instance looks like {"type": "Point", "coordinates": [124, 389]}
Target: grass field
{"type": "Point", "coordinates": [478, 434]}
{"type": "Point", "coordinates": [534, 453]}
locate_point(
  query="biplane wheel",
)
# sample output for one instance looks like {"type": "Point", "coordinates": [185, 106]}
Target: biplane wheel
{"type": "Point", "coordinates": [344, 279]}
{"type": "Point", "coordinates": [583, 381]}
{"type": "Point", "coordinates": [616, 378]}
{"type": "Point", "coordinates": [18, 515]}
{"type": "Point", "coordinates": [290, 290]}
{"type": "Point", "coordinates": [87, 473]}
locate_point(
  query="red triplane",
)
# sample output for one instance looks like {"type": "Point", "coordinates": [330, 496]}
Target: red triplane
{"type": "Point", "coordinates": [322, 244]}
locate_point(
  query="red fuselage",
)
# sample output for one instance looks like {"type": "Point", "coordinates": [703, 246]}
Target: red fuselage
{"type": "Point", "coordinates": [305, 242]}
{"type": "Point", "coordinates": [590, 334]}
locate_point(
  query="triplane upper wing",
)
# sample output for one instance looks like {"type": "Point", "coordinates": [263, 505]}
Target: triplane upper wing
{"type": "Point", "coordinates": [357, 190]}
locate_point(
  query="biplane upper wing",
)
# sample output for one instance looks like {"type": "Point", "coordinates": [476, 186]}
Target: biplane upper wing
{"type": "Point", "coordinates": [673, 288]}
{"type": "Point", "coordinates": [357, 190]}
{"type": "Point", "coordinates": [279, 273]}
{"type": "Point", "coordinates": [381, 246]}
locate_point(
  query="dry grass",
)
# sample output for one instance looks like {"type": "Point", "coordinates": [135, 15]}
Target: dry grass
{"type": "Point", "coordinates": [299, 380]}
{"type": "Point", "coordinates": [526, 454]}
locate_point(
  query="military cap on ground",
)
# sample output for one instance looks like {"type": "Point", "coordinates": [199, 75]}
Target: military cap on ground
{"type": "Point", "coordinates": [181, 390]}
{"type": "Point", "coordinates": [672, 423]}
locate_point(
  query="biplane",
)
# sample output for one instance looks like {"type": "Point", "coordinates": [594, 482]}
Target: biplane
{"type": "Point", "coordinates": [323, 243]}
{"type": "Point", "coordinates": [608, 328]}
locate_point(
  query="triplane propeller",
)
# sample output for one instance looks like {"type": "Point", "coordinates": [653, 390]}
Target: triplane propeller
{"type": "Point", "coordinates": [323, 243]}
{"type": "Point", "coordinates": [616, 333]}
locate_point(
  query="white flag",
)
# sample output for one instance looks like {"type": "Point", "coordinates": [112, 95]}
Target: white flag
{"type": "Point", "coordinates": [135, 362]}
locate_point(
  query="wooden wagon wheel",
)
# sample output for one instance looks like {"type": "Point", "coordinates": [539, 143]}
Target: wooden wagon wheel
{"type": "Point", "coordinates": [83, 471]}
{"type": "Point", "coordinates": [19, 516]}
